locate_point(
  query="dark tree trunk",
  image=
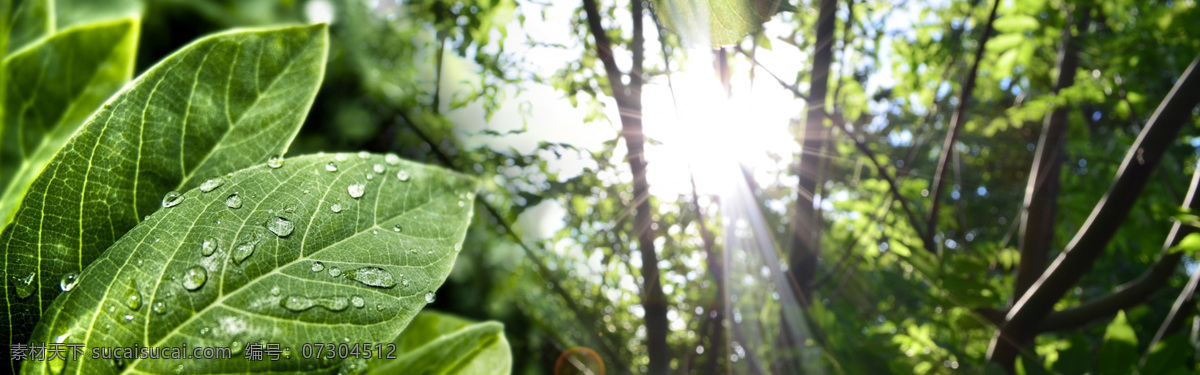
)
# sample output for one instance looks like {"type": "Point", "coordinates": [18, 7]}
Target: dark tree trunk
{"type": "Point", "coordinates": [629, 103]}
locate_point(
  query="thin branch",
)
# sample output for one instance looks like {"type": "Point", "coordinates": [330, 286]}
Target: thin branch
{"type": "Point", "coordinates": [893, 187]}
{"type": "Point", "coordinates": [956, 122]}
{"type": "Point", "coordinates": [790, 87]}
{"type": "Point", "coordinates": [1182, 303]}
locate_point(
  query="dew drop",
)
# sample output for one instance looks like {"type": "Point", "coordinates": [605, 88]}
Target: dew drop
{"type": "Point", "coordinates": [378, 307]}
{"type": "Point", "coordinates": [458, 247]}
{"type": "Point", "coordinates": [275, 290]}
{"type": "Point", "coordinates": [318, 266]}
{"type": "Point", "coordinates": [429, 297]}
{"type": "Point", "coordinates": [172, 199]}
{"type": "Point", "coordinates": [211, 184]}
{"type": "Point", "coordinates": [160, 308]}
{"type": "Point", "coordinates": [332, 167]}
{"type": "Point", "coordinates": [194, 278]}
{"type": "Point", "coordinates": [357, 301]}
{"type": "Point", "coordinates": [290, 210]}
{"type": "Point", "coordinates": [133, 298]}
{"type": "Point", "coordinates": [402, 175]}
{"type": "Point", "coordinates": [128, 318]}
{"type": "Point", "coordinates": [374, 231]}
{"type": "Point", "coordinates": [364, 155]}
{"type": "Point", "coordinates": [370, 176]}
{"type": "Point", "coordinates": [336, 207]}
{"type": "Point", "coordinates": [301, 303]}
{"type": "Point", "coordinates": [235, 347]}
{"type": "Point", "coordinates": [356, 190]}
{"type": "Point", "coordinates": [234, 201]}
{"type": "Point", "coordinates": [340, 157]}
{"type": "Point", "coordinates": [462, 204]}
{"type": "Point", "coordinates": [68, 281]}
{"type": "Point", "coordinates": [275, 161]}
{"type": "Point", "coordinates": [243, 251]}
{"type": "Point", "coordinates": [335, 272]}
{"type": "Point", "coordinates": [391, 159]}
{"type": "Point", "coordinates": [210, 246]}
{"type": "Point", "coordinates": [372, 276]}
{"type": "Point", "coordinates": [397, 228]}
{"type": "Point", "coordinates": [281, 227]}
{"type": "Point", "coordinates": [378, 168]}
{"type": "Point", "coordinates": [404, 282]}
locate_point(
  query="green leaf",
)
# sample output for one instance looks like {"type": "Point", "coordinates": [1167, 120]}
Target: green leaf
{"type": "Point", "coordinates": [1190, 244]}
{"type": "Point", "coordinates": [68, 13]}
{"type": "Point", "coordinates": [726, 22]}
{"type": "Point", "coordinates": [437, 343]}
{"type": "Point", "coordinates": [223, 103]}
{"type": "Point", "coordinates": [52, 87]}
{"type": "Point", "coordinates": [308, 256]}
{"type": "Point", "coordinates": [1015, 23]}
{"type": "Point", "coordinates": [26, 21]}
{"type": "Point", "coordinates": [1118, 354]}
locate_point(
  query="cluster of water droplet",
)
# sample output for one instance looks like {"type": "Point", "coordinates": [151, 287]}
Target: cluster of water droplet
{"type": "Point", "coordinates": [195, 277]}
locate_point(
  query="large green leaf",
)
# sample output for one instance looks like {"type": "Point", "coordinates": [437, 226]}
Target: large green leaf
{"type": "Point", "coordinates": [437, 343]}
{"type": "Point", "coordinates": [223, 103]}
{"type": "Point", "coordinates": [52, 87]}
{"type": "Point", "coordinates": [68, 13]}
{"type": "Point", "coordinates": [322, 249]}
{"type": "Point", "coordinates": [720, 22]}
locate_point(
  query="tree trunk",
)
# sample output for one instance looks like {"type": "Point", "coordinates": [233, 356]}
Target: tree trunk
{"type": "Point", "coordinates": [1041, 192]}
{"type": "Point", "coordinates": [629, 103]}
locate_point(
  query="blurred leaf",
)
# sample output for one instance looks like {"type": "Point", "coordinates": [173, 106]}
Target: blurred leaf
{"type": "Point", "coordinates": [436, 343]}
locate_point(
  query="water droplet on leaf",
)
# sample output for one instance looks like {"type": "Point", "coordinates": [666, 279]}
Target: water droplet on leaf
{"type": "Point", "coordinates": [209, 246]}
{"type": "Point", "coordinates": [160, 308]}
{"type": "Point", "coordinates": [318, 266]}
{"type": "Point", "coordinates": [275, 291]}
{"type": "Point", "coordinates": [172, 199]}
{"type": "Point", "coordinates": [275, 161]}
{"type": "Point", "coordinates": [281, 227]}
{"type": "Point", "coordinates": [234, 201]}
{"type": "Point", "coordinates": [391, 159]}
{"type": "Point", "coordinates": [402, 175]}
{"type": "Point", "coordinates": [211, 184]}
{"type": "Point", "coordinates": [397, 228]}
{"type": "Point", "coordinates": [332, 167]}
{"type": "Point", "coordinates": [364, 155]}
{"type": "Point", "coordinates": [68, 281]}
{"type": "Point", "coordinates": [356, 190]}
{"type": "Point", "coordinates": [133, 298]}
{"type": "Point", "coordinates": [194, 278]}
{"type": "Point", "coordinates": [340, 157]}
{"type": "Point", "coordinates": [357, 301]}
{"type": "Point", "coordinates": [336, 207]}
{"type": "Point", "coordinates": [301, 303]}
{"type": "Point", "coordinates": [243, 251]}
{"type": "Point", "coordinates": [335, 272]}
{"type": "Point", "coordinates": [429, 297]}
{"type": "Point", "coordinates": [372, 276]}
{"type": "Point", "coordinates": [378, 168]}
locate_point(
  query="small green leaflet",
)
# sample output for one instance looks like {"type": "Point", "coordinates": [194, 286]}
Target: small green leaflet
{"type": "Point", "coordinates": [436, 343]}
{"type": "Point", "coordinates": [331, 249]}
{"type": "Point", "coordinates": [52, 87]}
{"type": "Point", "coordinates": [222, 103]}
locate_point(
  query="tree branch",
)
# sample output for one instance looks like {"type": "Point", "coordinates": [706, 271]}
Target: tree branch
{"type": "Point", "coordinates": [956, 123]}
{"type": "Point", "coordinates": [1091, 240]}
{"type": "Point", "coordinates": [1041, 191]}
{"type": "Point", "coordinates": [1183, 302]}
